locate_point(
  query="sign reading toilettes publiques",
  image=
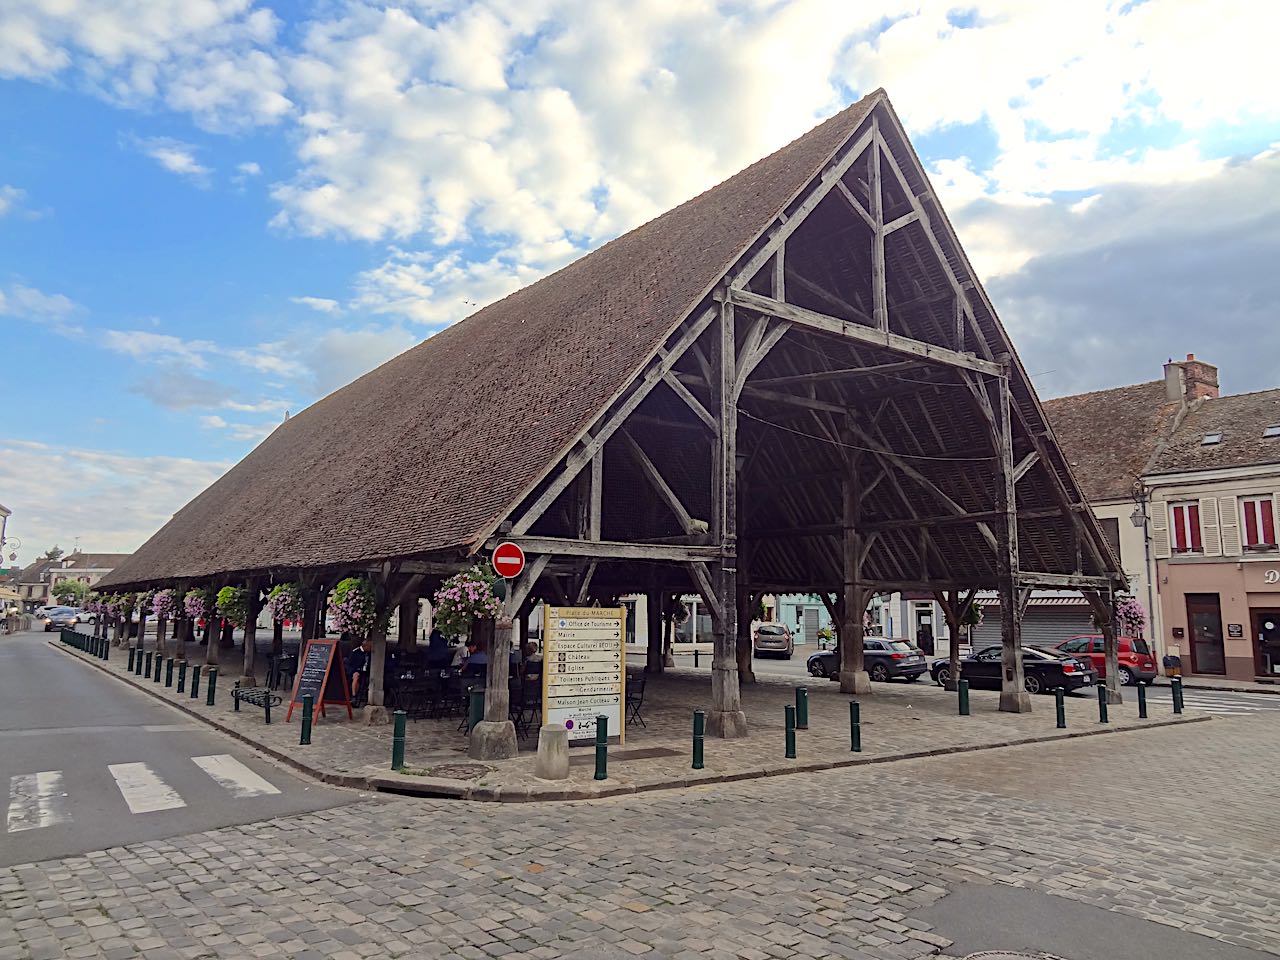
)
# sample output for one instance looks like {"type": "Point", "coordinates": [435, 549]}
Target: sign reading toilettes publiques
{"type": "Point", "coordinates": [584, 669]}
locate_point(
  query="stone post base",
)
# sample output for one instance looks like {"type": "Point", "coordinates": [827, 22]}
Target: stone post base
{"type": "Point", "coordinates": [668, 659]}
{"type": "Point", "coordinates": [374, 715]}
{"type": "Point", "coordinates": [855, 682]}
{"type": "Point", "coordinates": [1015, 701]}
{"type": "Point", "coordinates": [1114, 696]}
{"type": "Point", "coordinates": [726, 724]}
{"type": "Point", "coordinates": [553, 753]}
{"type": "Point", "coordinates": [951, 686]}
{"type": "Point", "coordinates": [493, 740]}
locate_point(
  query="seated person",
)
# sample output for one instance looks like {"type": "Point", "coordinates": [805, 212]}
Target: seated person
{"type": "Point", "coordinates": [532, 661]}
{"type": "Point", "coordinates": [439, 655]}
{"type": "Point", "coordinates": [477, 662]}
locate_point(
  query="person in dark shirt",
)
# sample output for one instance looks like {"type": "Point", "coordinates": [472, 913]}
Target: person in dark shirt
{"type": "Point", "coordinates": [439, 655]}
{"type": "Point", "coordinates": [358, 661]}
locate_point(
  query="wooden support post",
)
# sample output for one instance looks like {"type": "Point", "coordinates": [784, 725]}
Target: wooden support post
{"type": "Point", "coordinates": [142, 630]}
{"type": "Point", "coordinates": [1104, 615]}
{"type": "Point", "coordinates": [1013, 694]}
{"type": "Point", "coordinates": [949, 601]}
{"type": "Point", "coordinates": [653, 632]}
{"type": "Point", "coordinates": [746, 673]}
{"type": "Point", "coordinates": [494, 737]}
{"type": "Point", "coordinates": [186, 628]}
{"type": "Point", "coordinates": [250, 678]}
{"type": "Point", "coordinates": [880, 309]}
{"type": "Point", "coordinates": [853, 673]}
{"type": "Point", "coordinates": [407, 634]}
{"type": "Point", "coordinates": [726, 718]}
{"type": "Point", "coordinates": [668, 630]}
{"type": "Point", "coordinates": [161, 645]}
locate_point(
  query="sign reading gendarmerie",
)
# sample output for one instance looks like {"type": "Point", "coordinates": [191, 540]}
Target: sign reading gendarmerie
{"type": "Point", "coordinates": [584, 669]}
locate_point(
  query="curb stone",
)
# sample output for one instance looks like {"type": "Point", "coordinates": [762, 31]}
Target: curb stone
{"type": "Point", "coordinates": [441, 788]}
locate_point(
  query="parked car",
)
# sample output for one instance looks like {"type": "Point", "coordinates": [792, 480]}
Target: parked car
{"type": "Point", "coordinates": [774, 639]}
{"type": "Point", "coordinates": [55, 618]}
{"type": "Point", "coordinates": [86, 616]}
{"type": "Point", "coordinates": [1043, 670]}
{"type": "Point", "coordinates": [884, 660]}
{"type": "Point", "coordinates": [1136, 664]}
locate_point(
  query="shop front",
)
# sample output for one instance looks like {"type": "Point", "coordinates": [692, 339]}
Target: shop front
{"type": "Point", "coordinates": [1223, 617]}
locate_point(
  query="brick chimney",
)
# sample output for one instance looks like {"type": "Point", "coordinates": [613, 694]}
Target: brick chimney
{"type": "Point", "coordinates": [1189, 380]}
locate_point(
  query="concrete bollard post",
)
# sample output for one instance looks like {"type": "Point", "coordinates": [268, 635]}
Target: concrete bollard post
{"type": "Point", "coordinates": [552, 762]}
{"type": "Point", "coordinates": [1060, 706]}
{"type": "Point", "coordinates": [602, 747]}
{"type": "Point", "coordinates": [699, 737]}
{"type": "Point", "coordinates": [855, 726]}
{"type": "Point", "coordinates": [213, 683]}
{"type": "Point", "coordinates": [305, 738]}
{"type": "Point", "coordinates": [789, 717]}
{"type": "Point", "coordinates": [397, 739]}
{"type": "Point", "coordinates": [1102, 704]}
{"type": "Point", "coordinates": [802, 708]}
{"type": "Point", "coordinates": [962, 695]}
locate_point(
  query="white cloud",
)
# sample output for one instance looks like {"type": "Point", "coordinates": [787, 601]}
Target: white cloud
{"type": "Point", "coordinates": [175, 156]}
{"type": "Point", "coordinates": [10, 198]}
{"type": "Point", "coordinates": [213, 422]}
{"type": "Point", "coordinates": [158, 347]}
{"type": "Point", "coordinates": [320, 304]}
{"type": "Point", "coordinates": [54, 310]}
{"type": "Point", "coordinates": [247, 169]}
{"type": "Point", "coordinates": [111, 501]}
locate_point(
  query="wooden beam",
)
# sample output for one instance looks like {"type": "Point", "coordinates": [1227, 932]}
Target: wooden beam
{"type": "Point", "coordinates": [855, 204]}
{"type": "Point", "coordinates": [901, 222]}
{"type": "Point", "coordinates": [657, 481]}
{"type": "Point", "coordinates": [861, 334]}
{"type": "Point", "coordinates": [702, 579]}
{"type": "Point", "coordinates": [587, 445]}
{"type": "Point", "coordinates": [825, 295]}
{"type": "Point", "coordinates": [767, 342]}
{"type": "Point", "coordinates": [879, 296]}
{"type": "Point", "coordinates": [1063, 581]}
{"type": "Point", "coordinates": [692, 402]}
{"type": "Point", "coordinates": [821, 376]}
{"type": "Point", "coordinates": [1024, 465]}
{"type": "Point", "coordinates": [584, 588]}
{"type": "Point", "coordinates": [612, 549]}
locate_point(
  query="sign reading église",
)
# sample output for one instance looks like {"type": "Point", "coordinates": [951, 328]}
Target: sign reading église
{"type": "Point", "coordinates": [584, 671]}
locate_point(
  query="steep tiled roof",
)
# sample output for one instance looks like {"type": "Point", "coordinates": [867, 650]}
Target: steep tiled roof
{"type": "Point", "coordinates": [96, 561]}
{"type": "Point", "coordinates": [419, 454]}
{"type": "Point", "coordinates": [1241, 419]}
{"type": "Point", "coordinates": [1109, 436]}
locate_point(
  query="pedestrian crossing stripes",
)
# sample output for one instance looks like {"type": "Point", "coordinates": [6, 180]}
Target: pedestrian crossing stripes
{"type": "Point", "coordinates": [1225, 704]}
{"type": "Point", "coordinates": [39, 800]}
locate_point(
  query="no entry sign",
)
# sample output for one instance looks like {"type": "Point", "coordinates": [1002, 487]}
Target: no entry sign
{"type": "Point", "coordinates": [508, 560]}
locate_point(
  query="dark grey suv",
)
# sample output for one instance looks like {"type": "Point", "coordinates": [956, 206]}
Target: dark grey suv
{"type": "Point", "coordinates": [884, 660]}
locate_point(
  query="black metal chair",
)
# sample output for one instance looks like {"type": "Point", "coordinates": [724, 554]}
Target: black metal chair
{"type": "Point", "coordinates": [635, 701]}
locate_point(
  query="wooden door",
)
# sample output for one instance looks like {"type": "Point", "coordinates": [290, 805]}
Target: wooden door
{"type": "Point", "coordinates": [1266, 642]}
{"type": "Point", "coordinates": [1204, 629]}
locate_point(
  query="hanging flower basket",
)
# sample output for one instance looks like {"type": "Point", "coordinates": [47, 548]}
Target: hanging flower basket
{"type": "Point", "coordinates": [973, 616]}
{"type": "Point", "coordinates": [198, 604]}
{"type": "Point", "coordinates": [284, 602]}
{"type": "Point", "coordinates": [465, 598]}
{"type": "Point", "coordinates": [233, 605]}
{"type": "Point", "coordinates": [352, 607]}
{"type": "Point", "coordinates": [164, 604]}
{"type": "Point", "coordinates": [1131, 619]}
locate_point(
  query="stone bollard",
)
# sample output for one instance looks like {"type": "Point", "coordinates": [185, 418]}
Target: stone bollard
{"type": "Point", "coordinates": [552, 762]}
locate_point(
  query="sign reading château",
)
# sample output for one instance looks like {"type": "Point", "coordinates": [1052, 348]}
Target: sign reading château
{"type": "Point", "coordinates": [584, 671]}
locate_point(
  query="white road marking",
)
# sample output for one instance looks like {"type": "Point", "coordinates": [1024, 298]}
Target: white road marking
{"type": "Point", "coordinates": [234, 776]}
{"type": "Point", "coordinates": [143, 791]}
{"type": "Point", "coordinates": [36, 800]}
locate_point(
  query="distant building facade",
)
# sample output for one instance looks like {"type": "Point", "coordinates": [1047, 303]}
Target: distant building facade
{"type": "Point", "coordinates": [37, 580]}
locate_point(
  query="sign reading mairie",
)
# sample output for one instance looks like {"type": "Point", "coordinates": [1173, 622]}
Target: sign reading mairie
{"type": "Point", "coordinates": [584, 669]}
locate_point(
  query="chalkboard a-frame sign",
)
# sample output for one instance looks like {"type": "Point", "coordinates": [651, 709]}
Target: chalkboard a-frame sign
{"type": "Point", "coordinates": [322, 674]}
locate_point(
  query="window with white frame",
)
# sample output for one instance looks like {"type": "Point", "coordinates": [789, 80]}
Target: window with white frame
{"type": "Point", "coordinates": [1258, 520]}
{"type": "Point", "coordinates": [1184, 527]}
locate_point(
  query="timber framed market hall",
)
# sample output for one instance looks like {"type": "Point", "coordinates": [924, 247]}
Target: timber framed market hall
{"type": "Point", "coordinates": [791, 383]}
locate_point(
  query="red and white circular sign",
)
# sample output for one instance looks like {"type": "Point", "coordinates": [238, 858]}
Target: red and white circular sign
{"type": "Point", "coordinates": [508, 560]}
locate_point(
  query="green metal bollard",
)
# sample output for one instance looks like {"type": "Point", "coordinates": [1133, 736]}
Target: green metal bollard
{"type": "Point", "coordinates": [397, 740]}
{"type": "Point", "coordinates": [1176, 685]}
{"type": "Point", "coordinates": [146, 673]}
{"type": "Point", "coordinates": [695, 657]}
{"type": "Point", "coordinates": [182, 676]}
{"type": "Point", "coordinates": [1102, 704]}
{"type": "Point", "coordinates": [789, 715]}
{"type": "Point", "coordinates": [602, 747]}
{"type": "Point", "coordinates": [159, 674]}
{"type": "Point", "coordinates": [699, 736]}
{"type": "Point", "coordinates": [137, 665]}
{"type": "Point", "coordinates": [962, 695]}
{"type": "Point", "coordinates": [855, 726]}
{"type": "Point", "coordinates": [475, 709]}
{"type": "Point", "coordinates": [1142, 701]}
{"type": "Point", "coordinates": [168, 672]}
{"type": "Point", "coordinates": [195, 681]}
{"type": "Point", "coordinates": [305, 738]}
{"type": "Point", "coordinates": [106, 651]}
{"type": "Point", "coordinates": [802, 708]}
{"type": "Point", "coordinates": [132, 651]}
{"type": "Point", "coordinates": [1060, 705]}
{"type": "Point", "coordinates": [213, 683]}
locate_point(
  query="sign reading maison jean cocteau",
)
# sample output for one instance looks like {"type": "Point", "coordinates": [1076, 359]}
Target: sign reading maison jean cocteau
{"type": "Point", "coordinates": [583, 669]}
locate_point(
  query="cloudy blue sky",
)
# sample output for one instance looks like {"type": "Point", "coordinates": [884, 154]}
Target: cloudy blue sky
{"type": "Point", "coordinates": [214, 211]}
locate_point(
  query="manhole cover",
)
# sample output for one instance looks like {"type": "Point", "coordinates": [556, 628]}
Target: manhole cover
{"type": "Point", "coordinates": [458, 771]}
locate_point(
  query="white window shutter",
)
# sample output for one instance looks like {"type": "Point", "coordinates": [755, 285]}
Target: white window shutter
{"type": "Point", "coordinates": [1210, 533]}
{"type": "Point", "coordinates": [1160, 529]}
{"type": "Point", "coordinates": [1229, 520]}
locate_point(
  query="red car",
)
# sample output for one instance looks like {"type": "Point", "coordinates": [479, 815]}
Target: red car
{"type": "Point", "coordinates": [1137, 665]}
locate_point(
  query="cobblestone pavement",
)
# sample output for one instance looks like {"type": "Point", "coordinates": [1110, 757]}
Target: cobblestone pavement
{"type": "Point", "coordinates": [897, 719]}
{"type": "Point", "coordinates": [1172, 825]}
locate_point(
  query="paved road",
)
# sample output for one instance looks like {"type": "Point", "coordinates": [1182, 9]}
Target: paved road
{"type": "Point", "coordinates": [88, 763]}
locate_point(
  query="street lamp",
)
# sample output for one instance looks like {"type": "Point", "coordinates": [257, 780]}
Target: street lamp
{"type": "Point", "coordinates": [1139, 517]}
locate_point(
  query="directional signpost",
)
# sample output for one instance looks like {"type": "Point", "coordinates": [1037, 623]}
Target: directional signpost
{"type": "Point", "coordinates": [583, 671]}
